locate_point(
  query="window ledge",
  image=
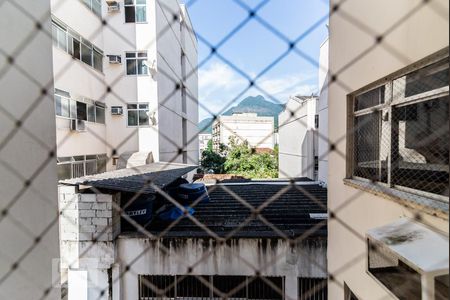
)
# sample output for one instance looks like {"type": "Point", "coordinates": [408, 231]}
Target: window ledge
{"type": "Point", "coordinates": [430, 206]}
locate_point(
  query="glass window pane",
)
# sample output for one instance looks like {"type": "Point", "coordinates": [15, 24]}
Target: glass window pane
{"type": "Point", "coordinates": [76, 49]}
{"type": "Point", "coordinates": [81, 111]}
{"type": "Point", "coordinates": [64, 171]}
{"type": "Point", "coordinates": [62, 39]}
{"type": "Point", "coordinates": [141, 14]}
{"type": "Point", "coordinates": [367, 146]}
{"type": "Point", "coordinates": [141, 1]}
{"type": "Point", "coordinates": [142, 54]}
{"type": "Point", "coordinates": [143, 118]}
{"type": "Point", "coordinates": [424, 80]}
{"type": "Point", "coordinates": [73, 109]}
{"type": "Point", "coordinates": [142, 67]}
{"type": "Point", "coordinates": [86, 54]}
{"type": "Point", "coordinates": [97, 7]}
{"type": "Point", "coordinates": [143, 106]}
{"type": "Point", "coordinates": [132, 106]}
{"type": "Point", "coordinates": [133, 118]}
{"type": "Point", "coordinates": [100, 115]}
{"type": "Point", "coordinates": [55, 35]}
{"type": "Point", "coordinates": [420, 139]}
{"type": "Point", "coordinates": [98, 61]}
{"type": "Point", "coordinates": [62, 106]}
{"type": "Point", "coordinates": [91, 113]}
{"type": "Point", "coordinates": [130, 14]}
{"type": "Point", "coordinates": [129, 2]}
{"type": "Point", "coordinates": [370, 98]}
{"type": "Point", "coordinates": [130, 54]}
{"type": "Point", "coordinates": [131, 67]}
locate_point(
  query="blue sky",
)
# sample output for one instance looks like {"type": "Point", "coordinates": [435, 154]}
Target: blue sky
{"type": "Point", "coordinates": [253, 48]}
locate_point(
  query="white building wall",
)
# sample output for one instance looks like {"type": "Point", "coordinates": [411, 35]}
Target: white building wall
{"type": "Point", "coordinates": [24, 154]}
{"type": "Point", "coordinates": [298, 145]}
{"type": "Point", "coordinates": [257, 131]}
{"type": "Point", "coordinates": [322, 135]}
{"type": "Point", "coordinates": [421, 34]}
{"type": "Point", "coordinates": [273, 258]}
{"type": "Point", "coordinates": [78, 79]}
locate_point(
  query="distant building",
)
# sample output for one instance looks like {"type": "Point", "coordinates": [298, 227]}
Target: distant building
{"type": "Point", "coordinates": [203, 140]}
{"type": "Point", "coordinates": [298, 146]}
{"type": "Point", "coordinates": [257, 131]}
{"type": "Point", "coordinates": [322, 115]}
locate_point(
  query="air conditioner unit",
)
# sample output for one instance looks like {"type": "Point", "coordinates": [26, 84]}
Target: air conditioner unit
{"type": "Point", "coordinates": [115, 59]}
{"type": "Point", "coordinates": [116, 110]}
{"type": "Point", "coordinates": [113, 6]}
{"type": "Point", "coordinates": [78, 125]}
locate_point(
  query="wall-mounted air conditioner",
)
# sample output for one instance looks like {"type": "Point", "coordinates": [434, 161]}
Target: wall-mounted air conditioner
{"type": "Point", "coordinates": [115, 59]}
{"type": "Point", "coordinates": [116, 110]}
{"type": "Point", "coordinates": [78, 125]}
{"type": "Point", "coordinates": [113, 6]}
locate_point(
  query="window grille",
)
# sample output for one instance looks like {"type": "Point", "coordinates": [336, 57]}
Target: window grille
{"type": "Point", "coordinates": [312, 289]}
{"type": "Point", "coordinates": [152, 287]}
{"type": "Point", "coordinates": [401, 132]}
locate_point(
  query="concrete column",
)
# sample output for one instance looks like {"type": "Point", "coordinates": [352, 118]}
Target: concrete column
{"type": "Point", "coordinates": [427, 287]}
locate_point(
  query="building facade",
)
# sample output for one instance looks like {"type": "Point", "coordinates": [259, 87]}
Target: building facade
{"type": "Point", "coordinates": [125, 84]}
{"type": "Point", "coordinates": [203, 140]}
{"type": "Point", "coordinates": [257, 131]}
{"type": "Point", "coordinates": [323, 146]}
{"type": "Point", "coordinates": [389, 160]}
{"type": "Point", "coordinates": [28, 264]}
{"type": "Point", "coordinates": [298, 138]}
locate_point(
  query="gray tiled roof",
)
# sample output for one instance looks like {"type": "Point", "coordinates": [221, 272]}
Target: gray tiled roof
{"type": "Point", "coordinates": [137, 179]}
{"type": "Point", "coordinates": [289, 211]}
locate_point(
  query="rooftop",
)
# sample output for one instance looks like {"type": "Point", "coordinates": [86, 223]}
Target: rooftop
{"type": "Point", "coordinates": [141, 179]}
{"type": "Point", "coordinates": [286, 206]}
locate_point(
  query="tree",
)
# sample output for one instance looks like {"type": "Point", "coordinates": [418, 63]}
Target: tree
{"type": "Point", "coordinates": [244, 161]}
{"type": "Point", "coordinates": [213, 161]}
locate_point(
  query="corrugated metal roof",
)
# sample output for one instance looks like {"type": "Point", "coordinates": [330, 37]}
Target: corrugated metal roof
{"type": "Point", "coordinates": [138, 179]}
{"type": "Point", "coordinates": [289, 212]}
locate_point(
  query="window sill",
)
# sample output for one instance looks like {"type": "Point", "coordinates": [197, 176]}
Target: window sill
{"type": "Point", "coordinates": [430, 206]}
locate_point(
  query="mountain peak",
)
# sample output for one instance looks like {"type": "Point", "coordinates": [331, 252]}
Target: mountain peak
{"type": "Point", "coordinates": [251, 104]}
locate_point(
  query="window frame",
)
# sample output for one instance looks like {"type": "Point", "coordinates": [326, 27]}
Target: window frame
{"type": "Point", "coordinates": [136, 58]}
{"type": "Point", "coordinates": [135, 6]}
{"type": "Point", "coordinates": [70, 36]}
{"type": "Point", "coordinates": [90, 5]}
{"type": "Point", "coordinates": [387, 108]}
{"type": "Point", "coordinates": [138, 110]}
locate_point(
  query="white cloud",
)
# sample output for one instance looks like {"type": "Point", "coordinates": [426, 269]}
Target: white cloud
{"type": "Point", "coordinates": [219, 84]}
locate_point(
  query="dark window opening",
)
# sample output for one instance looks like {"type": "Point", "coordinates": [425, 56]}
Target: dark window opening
{"type": "Point", "coordinates": [312, 289]}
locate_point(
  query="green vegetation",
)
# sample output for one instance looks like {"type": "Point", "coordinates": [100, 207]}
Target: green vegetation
{"type": "Point", "coordinates": [240, 159]}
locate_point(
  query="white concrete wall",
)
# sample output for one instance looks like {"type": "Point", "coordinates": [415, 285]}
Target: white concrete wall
{"type": "Point", "coordinates": [28, 211]}
{"type": "Point", "coordinates": [172, 40]}
{"type": "Point", "coordinates": [298, 145]}
{"type": "Point", "coordinates": [322, 108]}
{"type": "Point", "coordinates": [257, 131]}
{"type": "Point", "coordinates": [271, 257]}
{"type": "Point", "coordinates": [79, 79]}
{"type": "Point", "coordinates": [421, 34]}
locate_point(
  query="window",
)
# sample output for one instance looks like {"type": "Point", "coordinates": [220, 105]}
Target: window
{"type": "Point", "coordinates": [86, 109]}
{"type": "Point", "coordinates": [79, 166]}
{"type": "Point", "coordinates": [312, 288]}
{"type": "Point", "coordinates": [136, 63]}
{"type": "Point", "coordinates": [95, 6]}
{"type": "Point", "coordinates": [135, 11]}
{"type": "Point", "coordinates": [201, 287]}
{"type": "Point", "coordinates": [79, 48]}
{"type": "Point", "coordinates": [138, 114]}
{"type": "Point", "coordinates": [401, 132]}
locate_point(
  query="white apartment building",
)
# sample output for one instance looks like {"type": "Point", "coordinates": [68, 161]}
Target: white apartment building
{"type": "Point", "coordinates": [257, 131]}
{"type": "Point", "coordinates": [298, 152]}
{"type": "Point", "coordinates": [323, 146]}
{"type": "Point", "coordinates": [126, 84]}
{"type": "Point", "coordinates": [389, 173]}
{"type": "Point", "coordinates": [203, 141]}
